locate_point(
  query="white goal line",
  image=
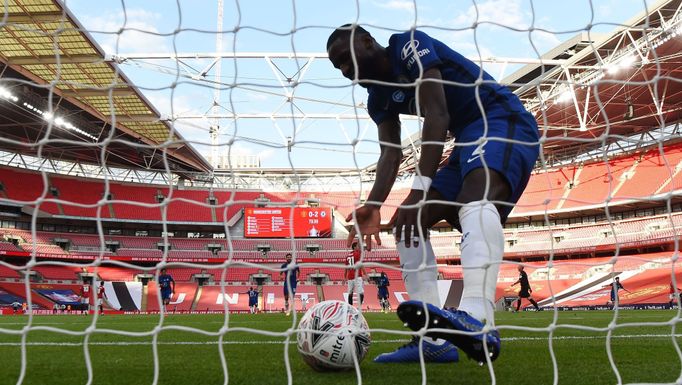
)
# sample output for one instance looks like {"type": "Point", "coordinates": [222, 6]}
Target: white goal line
{"type": "Point", "coordinates": [274, 342]}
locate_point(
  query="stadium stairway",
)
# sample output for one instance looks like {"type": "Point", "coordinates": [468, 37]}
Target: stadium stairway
{"type": "Point", "coordinates": [195, 300]}
{"type": "Point", "coordinates": [145, 291]}
{"type": "Point", "coordinates": [320, 293]}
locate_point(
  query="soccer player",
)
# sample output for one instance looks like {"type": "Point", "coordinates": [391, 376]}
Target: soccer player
{"type": "Point", "coordinates": [496, 148]}
{"type": "Point", "coordinates": [355, 280]}
{"type": "Point", "coordinates": [167, 285]}
{"type": "Point", "coordinates": [85, 297]}
{"type": "Point", "coordinates": [290, 274]}
{"type": "Point", "coordinates": [616, 286]}
{"type": "Point", "coordinates": [101, 295]}
{"type": "Point", "coordinates": [674, 295]}
{"type": "Point", "coordinates": [253, 300]}
{"type": "Point", "coordinates": [525, 291]}
{"type": "Point", "coordinates": [382, 293]}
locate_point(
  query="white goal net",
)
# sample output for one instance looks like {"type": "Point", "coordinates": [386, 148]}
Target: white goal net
{"type": "Point", "coordinates": [211, 139]}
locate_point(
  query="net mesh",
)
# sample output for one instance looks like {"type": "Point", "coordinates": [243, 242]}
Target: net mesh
{"type": "Point", "coordinates": [95, 102]}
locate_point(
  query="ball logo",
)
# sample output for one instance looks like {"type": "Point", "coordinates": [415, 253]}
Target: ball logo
{"type": "Point", "coordinates": [398, 96]}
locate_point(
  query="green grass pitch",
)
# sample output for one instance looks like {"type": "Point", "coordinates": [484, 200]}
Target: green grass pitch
{"type": "Point", "coordinates": [642, 349]}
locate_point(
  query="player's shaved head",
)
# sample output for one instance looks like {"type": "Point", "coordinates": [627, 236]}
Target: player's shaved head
{"type": "Point", "coordinates": [345, 32]}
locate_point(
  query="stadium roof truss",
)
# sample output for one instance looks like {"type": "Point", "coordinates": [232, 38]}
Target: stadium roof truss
{"type": "Point", "coordinates": [593, 94]}
{"type": "Point", "coordinates": [615, 92]}
{"type": "Point", "coordinates": [53, 67]}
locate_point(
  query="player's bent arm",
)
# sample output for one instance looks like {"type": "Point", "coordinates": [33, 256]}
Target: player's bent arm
{"type": "Point", "coordinates": [368, 217]}
{"type": "Point", "coordinates": [389, 160]}
{"type": "Point", "coordinates": [433, 106]}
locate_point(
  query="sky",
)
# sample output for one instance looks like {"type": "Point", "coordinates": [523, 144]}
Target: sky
{"type": "Point", "coordinates": [519, 29]}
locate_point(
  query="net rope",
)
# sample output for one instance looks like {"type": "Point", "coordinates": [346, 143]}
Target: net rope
{"type": "Point", "coordinates": [572, 82]}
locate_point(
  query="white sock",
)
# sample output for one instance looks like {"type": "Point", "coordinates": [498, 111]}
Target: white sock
{"type": "Point", "coordinates": [482, 252]}
{"type": "Point", "coordinates": [421, 285]}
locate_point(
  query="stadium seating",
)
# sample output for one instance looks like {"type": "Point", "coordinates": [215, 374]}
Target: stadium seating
{"type": "Point", "coordinates": [6, 272]}
{"type": "Point", "coordinates": [58, 272]}
{"type": "Point", "coordinates": [81, 191]}
{"type": "Point", "coordinates": [635, 176]}
{"type": "Point", "coordinates": [7, 246]}
{"type": "Point", "coordinates": [114, 273]}
{"type": "Point", "coordinates": [651, 173]}
{"type": "Point", "coordinates": [596, 183]}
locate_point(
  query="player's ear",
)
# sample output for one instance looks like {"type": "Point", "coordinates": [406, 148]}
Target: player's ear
{"type": "Point", "coordinates": [367, 41]}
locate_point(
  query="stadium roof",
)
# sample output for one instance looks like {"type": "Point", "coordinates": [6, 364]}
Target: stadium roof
{"type": "Point", "coordinates": [610, 87]}
{"type": "Point", "coordinates": [600, 93]}
{"type": "Point", "coordinates": [50, 60]}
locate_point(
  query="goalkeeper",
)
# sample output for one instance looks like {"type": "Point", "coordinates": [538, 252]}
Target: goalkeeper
{"type": "Point", "coordinates": [486, 173]}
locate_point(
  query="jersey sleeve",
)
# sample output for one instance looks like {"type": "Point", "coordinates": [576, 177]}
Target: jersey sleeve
{"type": "Point", "coordinates": [377, 107]}
{"type": "Point", "coordinates": [414, 47]}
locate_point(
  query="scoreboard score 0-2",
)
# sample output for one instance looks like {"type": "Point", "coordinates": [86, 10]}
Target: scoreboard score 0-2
{"type": "Point", "coordinates": [284, 222]}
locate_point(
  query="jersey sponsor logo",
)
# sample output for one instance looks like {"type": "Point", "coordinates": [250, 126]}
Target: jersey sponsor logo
{"type": "Point", "coordinates": [410, 52]}
{"type": "Point", "coordinates": [398, 96]}
{"type": "Point", "coordinates": [409, 48]}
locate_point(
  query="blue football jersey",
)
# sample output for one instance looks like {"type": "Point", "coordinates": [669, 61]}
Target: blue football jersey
{"type": "Point", "coordinates": [411, 54]}
{"type": "Point", "coordinates": [292, 274]}
{"type": "Point", "coordinates": [164, 281]}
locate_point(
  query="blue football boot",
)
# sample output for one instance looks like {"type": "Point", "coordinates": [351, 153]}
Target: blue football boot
{"type": "Point", "coordinates": [413, 314]}
{"type": "Point", "coordinates": [445, 352]}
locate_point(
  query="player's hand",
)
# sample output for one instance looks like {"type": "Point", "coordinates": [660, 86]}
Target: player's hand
{"type": "Point", "coordinates": [406, 220]}
{"type": "Point", "coordinates": [368, 220]}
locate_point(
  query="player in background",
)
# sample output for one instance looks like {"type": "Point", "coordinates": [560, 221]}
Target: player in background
{"type": "Point", "coordinates": [290, 275]}
{"type": "Point", "coordinates": [382, 293]}
{"type": "Point", "coordinates": [167, 286]}
{"type": "Point", "coordinates": [674, 294]}
{"type": "Point", "coordinates": [616, 286]}
{"type": "Point", "coordinates": [86, 290]}
{"type": "Point", "coordinates": [253, 300]}
{"type": "Point", "coordinates": [354, 276]}
{"type": "Point", "coordinates": [525, 291]}
{"type": "Point", "coordinates": [101, 296]}
{"type": "Point", "coordinates": [497, 145]}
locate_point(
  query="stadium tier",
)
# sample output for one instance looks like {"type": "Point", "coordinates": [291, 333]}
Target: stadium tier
{"type": "Point", "coordinates": [56, 272]}
{"type": "Point", "coordinates": [633, 177]}
{"type": "Point", "coordinates": [522, 243]}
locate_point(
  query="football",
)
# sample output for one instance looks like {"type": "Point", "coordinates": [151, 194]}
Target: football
{"type": "Point", "coordinates": [331, 334]}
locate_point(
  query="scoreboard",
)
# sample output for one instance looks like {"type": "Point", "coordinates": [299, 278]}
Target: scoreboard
{"type": "Point", "coordinates": [283, 222]}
